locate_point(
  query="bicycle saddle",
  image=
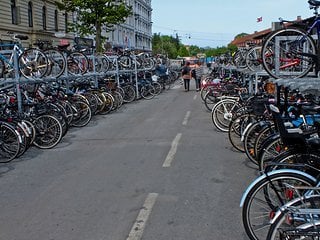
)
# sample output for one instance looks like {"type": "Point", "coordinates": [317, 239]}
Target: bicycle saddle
{"type": "Point", "coordinates": [314, 3]}
{"type": "Point", "coordinates": [314, 142]}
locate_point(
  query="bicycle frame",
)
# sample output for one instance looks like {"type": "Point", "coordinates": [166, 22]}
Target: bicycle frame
{"type": "Point", "coordinates": [10, 61]}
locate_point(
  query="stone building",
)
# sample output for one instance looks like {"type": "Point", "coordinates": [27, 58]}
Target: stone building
{"type": "Point", "coordinates": [136, 32]}
{"type": "Point", "coordinates": [41, 19]}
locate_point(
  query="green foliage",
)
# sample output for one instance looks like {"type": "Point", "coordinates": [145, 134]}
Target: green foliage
{"type": "Point", "coordinates": [240, 35]}
{"type": "Point", "coordinates": [93, 15]}
{"type": "Point", "coordinates": [172, 47]}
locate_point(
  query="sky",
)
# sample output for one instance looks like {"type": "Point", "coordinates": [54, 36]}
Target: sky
{"type": "Point", "coordinates": [215, 23]}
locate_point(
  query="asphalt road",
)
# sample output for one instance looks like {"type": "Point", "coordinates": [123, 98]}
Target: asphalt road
{"type": "Point", "coordinates": [154, 170]}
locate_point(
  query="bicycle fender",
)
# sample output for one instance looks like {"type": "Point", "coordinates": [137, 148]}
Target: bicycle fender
{"type": "Point", "coordinates": [264, 176]}
{"type": "Point", "coordinates": [245, 131]}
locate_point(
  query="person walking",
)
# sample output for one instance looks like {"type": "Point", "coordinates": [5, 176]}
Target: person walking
{"type": "Point", "coordinates": [199, 71]}
{"type": "Point", "coordinates": [186, 76]}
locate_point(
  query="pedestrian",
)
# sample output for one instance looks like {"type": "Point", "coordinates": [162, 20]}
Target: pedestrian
{"type": "Point", "coordinates": [186, 76]}
{"type": "Point", "coordinates": [161, 72]}
{"type": "Point", "coordinates": [199, 71]}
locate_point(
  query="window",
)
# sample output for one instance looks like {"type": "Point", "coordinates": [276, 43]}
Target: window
{"type": "Point", "coordinates": [66, 21]}
{"type": "Point", "coordinates": [44, 18]}
{"type": "Point", "coordinates": [14, 12]}
{"type": "Point", "coordinates": [56, 25]}
{"type": "Point", "coordinates": [30, 14]}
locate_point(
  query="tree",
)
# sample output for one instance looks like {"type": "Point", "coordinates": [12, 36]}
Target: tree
{"type": "Point", "coordinates": [240, 35]}
{"type": "Point", "coordinates": [93, 15]}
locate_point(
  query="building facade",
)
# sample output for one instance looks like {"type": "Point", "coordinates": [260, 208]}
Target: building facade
{"type": "Point", "coordinates": [136, 32]}
{"type": "Point", "coordinates": [41, 19]}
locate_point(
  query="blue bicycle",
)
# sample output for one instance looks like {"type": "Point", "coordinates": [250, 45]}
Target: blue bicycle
{"type": "Point", "coordinates": [32, 62]}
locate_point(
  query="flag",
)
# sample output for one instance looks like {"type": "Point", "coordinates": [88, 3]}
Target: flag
{"type": "Point", "coordinates": [259, 19]}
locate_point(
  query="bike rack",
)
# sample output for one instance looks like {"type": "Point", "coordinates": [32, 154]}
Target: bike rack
{"type": "Point", "coordinates": [18, 80]}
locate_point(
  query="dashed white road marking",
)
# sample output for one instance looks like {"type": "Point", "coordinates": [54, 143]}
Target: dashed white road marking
{"type": "Point", "coordinates": [140, 223]}
{"type": "Point", "coordinates": [172, 152]}
{"type": "Point", "coordinates": [186, 118]}
{"type": "Point", "coordinates": [195, 97]}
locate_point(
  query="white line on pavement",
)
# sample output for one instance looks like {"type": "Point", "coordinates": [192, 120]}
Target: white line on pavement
{"type": "Point", "coordinates": [186, 118]}
{"type": "Point", "coordinates": [172, 152]}
{"type": "Point", "coordinates": [140, 223]}
{"type": "Point", "coordinates": [195, 97]}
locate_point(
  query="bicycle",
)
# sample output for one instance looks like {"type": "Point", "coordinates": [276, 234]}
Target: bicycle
{"type": "Point", "coordinates": [291, 52]}
{"type": "Point", "coordinates": [299, 218]}
{"type": "Point", "coordinates": [32, 63]}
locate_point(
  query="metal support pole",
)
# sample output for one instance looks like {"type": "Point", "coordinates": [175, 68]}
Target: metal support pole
{"type": "Point", "coordinates": [17, 79]}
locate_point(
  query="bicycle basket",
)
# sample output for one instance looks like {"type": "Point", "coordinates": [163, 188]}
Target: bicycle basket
{"type": "Point", "coordinates": [258, 105]}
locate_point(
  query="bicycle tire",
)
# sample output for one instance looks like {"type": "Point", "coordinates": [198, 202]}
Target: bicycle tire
{"type": "Point", "coordinates": [259, 200]}
{"type": "Point", "coordinates": [147, 92]}
{"type": "Point", "coordinates": [292, 227]}
{"type": "Point", "coordinates": [124, 62]}
{"type": "Point", "coordinates": [297, 63]}
{"type": "Point", "coordinates": [221, 114]}
{"type": "Point", "coordinates": [270, 149]}
{"type": "Point", "coordinates": [157, 87]}
{"type": "Point", "coordinates": [109, 103]}
{"type": "Point", "coordinates": [2, 68]}
{"type": "Point", "coordinates": [237, 128]}
{"type": "Point", "coordinates": [130, 93]}
{"type": "Point", "coordinates": [9, 142]}
{"type": "Point", "coordinates": [253, 59]}
{"type": "Point", "coordinates": [210, 100]}
{"type": "Point", "coordinates": [33, 63]}
{"type": "Point", "coordinates": [250, 138]}
{"type": "Point", "coordinates": [48, 131]}
{"type": "Point", "coordinates": [57, 62]}
{"type": "Point", "coordinates": [300, 159]}
{"type": "Point", "coordinates": [77, 63]}
{"type": "Point", "coordinates": [82, 114]}
{"type": "Point", "coordinates": [265, 132]}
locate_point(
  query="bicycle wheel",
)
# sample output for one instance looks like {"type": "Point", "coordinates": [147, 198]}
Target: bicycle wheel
{"type": "Point", "coordinates": [239, 58]}
{"type": "Point", "coordinates": [2, 67]}
{"type": "Point", "coordinates": [157, 87]}
{"type": "Point", "coordinates": [237, 128]}
{"type": "Point", "coordinates": [210, 99]}
{"type": "Point", "coordinates": [124, 62]}
{"type": "Point", "coordinates": [271, 148]}
{"type": "Point", "coordinates": [93, 100]}
{"type": "Point", "coordinates": [253, 59]}
{"type": "Point", "coordinates": [81, 115]}
{"type": "Point", "coordinates": [129, 93]}
{"type": "Point", "coordinates": [9, 142]}
{"type": "Point", "coordinates": [108, 104]}
{"type": "Point", "coordinates": [268, 193]}
{"type": "Point", "coordinates": [57, 63]}
{"type": "Point", "coordinates": [288, 53]}
{"type": "Point", "coordinates": [118, 98]}
{"type": "Point", "coordinates": [147, 92]}
{"type": "Point", "coordinates": [203, 92]}
{"type": "Point", "coordinates": [250, 139]}
{"type": "Point", "coordinates": [33, 63]}
{"type": "Point", "coordinates": [265, 132]}
{"type": "Point", "coordinates": [77, 63]}
{"type": "Point", "coordinates": [48, 131]}
{"type": "Point", "coordinates": [298, 220]}
{"type": "Point", "coordinates": [31, 130]}
{"type": "Point", "coordinates": [221, 114]}
{"type": "Point", "coordinates": [300, 159]}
